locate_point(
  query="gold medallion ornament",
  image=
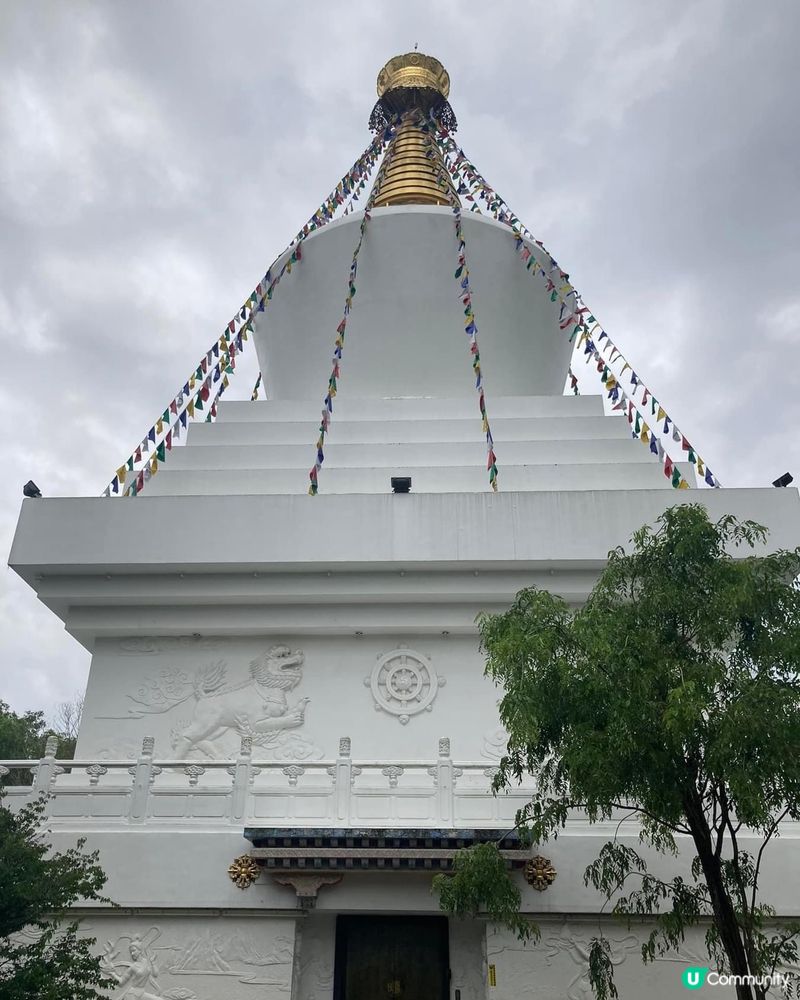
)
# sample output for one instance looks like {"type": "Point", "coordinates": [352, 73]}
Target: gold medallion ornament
{"type": "Point", "coordinates": [243, 871]}
{"type": "Point", "coordinates": [539, 873]}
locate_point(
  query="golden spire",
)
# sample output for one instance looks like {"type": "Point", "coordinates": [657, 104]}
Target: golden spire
{"type": "Point", "coordinates": [413, 173]}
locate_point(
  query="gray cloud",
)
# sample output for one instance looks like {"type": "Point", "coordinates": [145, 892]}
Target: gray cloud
{"type": "Point", "coordinates": [157, 156]}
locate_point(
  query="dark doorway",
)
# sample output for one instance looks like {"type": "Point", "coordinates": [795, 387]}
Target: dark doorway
{"type": "Point", "coordinates": [391, 958]}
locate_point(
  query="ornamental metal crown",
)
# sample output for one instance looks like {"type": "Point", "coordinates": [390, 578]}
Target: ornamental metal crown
{"type": "Point", "coordinates": [414, 69]}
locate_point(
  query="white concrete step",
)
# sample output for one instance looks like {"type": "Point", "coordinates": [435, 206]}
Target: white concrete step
{"type": "Point", "coordinates": [423, 455]}
{"type": "Point", "coordinates": [458, 479]}
{"type": "Point", "coordinates": [410, 408]}
{"type": "Point", "coordinates": [344, 431]}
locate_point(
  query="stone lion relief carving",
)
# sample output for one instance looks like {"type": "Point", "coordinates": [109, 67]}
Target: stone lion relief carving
{"type": "Point", "coordinates": [257, 707]}
{"type": "Point", "coordinates": [403, 683]}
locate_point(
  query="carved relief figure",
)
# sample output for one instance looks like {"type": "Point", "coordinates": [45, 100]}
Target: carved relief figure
{"type": "Point", "coordinates": [213, 955]}
{"type": "Point", "coordinates": [133, 963]}
{"type": "Point", "coordinates": [257, 706]}
{"type": "Point", "coordinates": [579, 987]}
{"type": "Point", "coordinates": [495, 744]}
{"type": "Point", "coordinates": [137, 976]}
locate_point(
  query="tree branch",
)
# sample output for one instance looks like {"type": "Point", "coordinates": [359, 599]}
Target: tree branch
{"type": "Point", "coordinates": [757, 868]}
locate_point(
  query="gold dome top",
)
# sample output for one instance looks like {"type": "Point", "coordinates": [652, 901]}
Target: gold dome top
{"type": "Point", "coordinates": [414, 71]}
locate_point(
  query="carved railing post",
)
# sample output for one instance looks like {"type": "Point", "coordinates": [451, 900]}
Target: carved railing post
{"type": "Point", "coordinates": [444, 781]}
{"type": "Point", "coordinates": [343, 774]}
{"type": "Point", "coordinates": [48, 769]}
{"type": "Point", "coordinates": [241, 772]}
{"type": "Point", "coordinates": [143, 773]}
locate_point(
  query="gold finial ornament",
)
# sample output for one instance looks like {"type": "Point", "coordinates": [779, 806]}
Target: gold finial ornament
{"type": "Point", "coordinates": [413, 82]}
{"type": "Point", "coordinates": [243, 871]}
{"type": "Point", "coordinates": [412, 96]}
{"type": "Point", "coordinates": [414, 69]}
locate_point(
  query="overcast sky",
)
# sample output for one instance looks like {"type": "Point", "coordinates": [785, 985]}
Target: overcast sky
{"type": "Point", "coordinates": [156, 155]}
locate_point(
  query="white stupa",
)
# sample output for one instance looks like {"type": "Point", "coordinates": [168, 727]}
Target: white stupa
{"type": "Point", "coordinates": [287, 729]}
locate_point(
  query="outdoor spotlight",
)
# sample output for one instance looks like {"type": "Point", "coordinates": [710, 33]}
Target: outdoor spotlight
{"type": "Point", "coordinates": [784, 480]}
{"type": "Point", "coordinates": [30, 489]}
{"type": "Point", "coordinates": [401, 484]}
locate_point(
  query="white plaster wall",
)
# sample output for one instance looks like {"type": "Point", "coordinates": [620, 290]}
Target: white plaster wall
{"type": "Point", "coordinates": [266, 956]}
{"type": "Point", "coordinates": [316, 953]}
{"type": "Point", "coordinates": [185, 865]}
{"type": "Point", "coordinates": [467, 959]}
{"type": "Point", "coordinates": [555, 968]}
{"type": "Point", "coordinates": [333, 679]}
{"type": "Point", "coordinates": [405, 334]}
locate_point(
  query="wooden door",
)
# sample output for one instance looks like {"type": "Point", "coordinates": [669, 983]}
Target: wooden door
{"type": "Point", "coordinates": [391, 958]}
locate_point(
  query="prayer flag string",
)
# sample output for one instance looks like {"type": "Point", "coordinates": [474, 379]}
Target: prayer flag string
{"type": "Point", "coordinates": [574, 315]}
{"type": "Point", "coordinates": [165, 431]}
{"type": "Point", "coordinates": [338, 346]}
{"type": "Point", "coordinates": [465, 295]}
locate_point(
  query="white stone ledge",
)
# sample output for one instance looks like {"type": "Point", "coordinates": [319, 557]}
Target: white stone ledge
{"type": "Point", "coordinates": [90, 623]}
{"type": "Point", "coordinates": [254, 533]}
{"type": "Point", "coordinates": [505, 429]}
{"type": "Point", "coordinates": [434, 480]}
{"type": "Point", "coordinates": [410, 408]}
{"type": "Point", "coordinates": [376, 456]}
{"type": "Point", "coordinates": [343, 587]}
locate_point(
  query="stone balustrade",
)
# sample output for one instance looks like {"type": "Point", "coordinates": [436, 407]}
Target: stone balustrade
{"type": "Point", "coordinates": [436, 792]}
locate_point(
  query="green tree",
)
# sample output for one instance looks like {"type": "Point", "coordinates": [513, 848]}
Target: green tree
{"type": "Point", "coordinates": [23, 737]}
{"type": "Point", "coordinates": [41, 954]}
{"type": "Point", "coordinates": [671, 696]}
